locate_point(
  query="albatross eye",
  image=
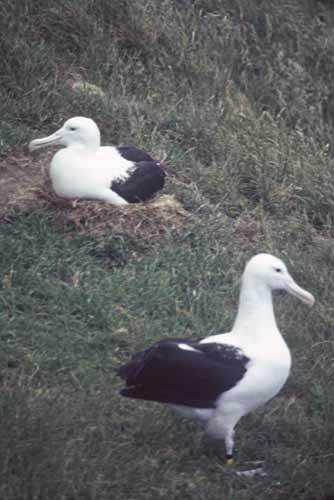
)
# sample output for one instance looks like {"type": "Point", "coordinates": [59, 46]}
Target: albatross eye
{"type": "Point", "coordinates": [72, 128]}
{"type": "Point", "coordinates": [278, 270]}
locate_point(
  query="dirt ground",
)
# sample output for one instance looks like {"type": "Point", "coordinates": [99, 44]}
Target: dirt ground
{"type": "Point", "coordinates": [22, 180]}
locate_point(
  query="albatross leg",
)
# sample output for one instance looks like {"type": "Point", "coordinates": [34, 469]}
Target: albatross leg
{"type": "Point", "coordinates": [229, 445]}
{"type": "Point", "coordinates": [221, 425]}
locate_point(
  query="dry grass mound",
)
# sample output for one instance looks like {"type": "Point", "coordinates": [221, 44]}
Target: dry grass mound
{"type": "Point", "coordinates": [24, 185]}
{"type": "Point", "coordinates": [147, 221]}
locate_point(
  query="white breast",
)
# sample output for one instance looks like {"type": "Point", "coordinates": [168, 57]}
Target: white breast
{"type": "Point", "coordinates": [77, 174]}
{"type": "Point", "coordinates": [267, 372]}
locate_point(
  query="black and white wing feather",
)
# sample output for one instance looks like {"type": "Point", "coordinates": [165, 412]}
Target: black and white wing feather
{"type": "Point", "coordinates": [186, 373]}
{"type": "Point", "coordinates": [134, 154]}
{"type": "Point", "coordinates": [146, 178]}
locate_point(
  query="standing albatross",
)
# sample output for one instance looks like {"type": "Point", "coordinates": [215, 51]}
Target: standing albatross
{"type": "Point", "coordinates": [222, 377]}
{"type": "Point", "coordinates": [85, 169]}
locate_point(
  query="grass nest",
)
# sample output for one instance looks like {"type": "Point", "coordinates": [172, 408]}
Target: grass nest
{"type": "Point", "coordinates": [25, 186]}
{"type": "Point", "coordinates": [152, 220]}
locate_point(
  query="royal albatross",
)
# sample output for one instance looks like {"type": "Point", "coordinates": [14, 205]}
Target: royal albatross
{"type": "Point", "coordinates": [222, 377]}
{"type": "Point", "coordinates": [85, 169]}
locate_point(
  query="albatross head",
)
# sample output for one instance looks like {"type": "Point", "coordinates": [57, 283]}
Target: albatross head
{"type": "Point", "coordinates": [77, 131]}
{"type": "Point", "coordinates": [272, 272]}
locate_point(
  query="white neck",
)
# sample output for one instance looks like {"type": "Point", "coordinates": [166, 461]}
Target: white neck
{"type": "Point", "coordinates": [90, 147]}
{"type": "Point", "coordinates": [255, 312]}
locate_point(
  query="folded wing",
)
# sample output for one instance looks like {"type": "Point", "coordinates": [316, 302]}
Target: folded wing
{"type": "Point", "coordinates": [184, 373]}
{"type": "Point", "coordinates": [145, 179]}
{"type": "Point", "coordinates": [134, 154]}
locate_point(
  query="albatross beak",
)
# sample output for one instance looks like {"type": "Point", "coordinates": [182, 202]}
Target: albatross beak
{"type": "Point", "coordinates": [55, 138]}
{"type": "Point", "coordinates": [299, 292]}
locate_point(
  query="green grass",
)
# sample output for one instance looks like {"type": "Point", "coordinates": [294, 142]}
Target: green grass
{"type": "Point", "coordinates": [238, 95]}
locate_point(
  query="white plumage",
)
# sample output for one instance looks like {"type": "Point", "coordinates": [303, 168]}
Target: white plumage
{"type": "Point", "coordinates": [85, 169]}
{"type": "Point", "coordinates": [223, 377]}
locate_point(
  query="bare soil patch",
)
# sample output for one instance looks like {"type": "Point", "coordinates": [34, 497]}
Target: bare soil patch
{"type": "Point", "coordinates": [22, 178]}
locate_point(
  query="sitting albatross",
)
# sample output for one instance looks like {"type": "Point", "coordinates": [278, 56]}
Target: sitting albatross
{"type": "Point", "coordinates": [222, 377]}
{"type": "Point", "coordinates": [84, 169]}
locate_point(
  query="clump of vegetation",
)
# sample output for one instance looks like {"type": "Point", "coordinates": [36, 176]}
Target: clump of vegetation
{"type": "Point", "coordinates": [238, 97]}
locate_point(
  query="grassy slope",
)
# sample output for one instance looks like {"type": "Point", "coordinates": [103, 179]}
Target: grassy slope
{"type": "Point", "coordinates": [239, 95]}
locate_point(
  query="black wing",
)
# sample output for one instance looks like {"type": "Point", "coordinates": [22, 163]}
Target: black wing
{"type": "Point", "coordinates": [169, 374]}
{"type": "Point", "coordinates": [146, 178]}
{"type": "Point", "coordinates": [131, 153]}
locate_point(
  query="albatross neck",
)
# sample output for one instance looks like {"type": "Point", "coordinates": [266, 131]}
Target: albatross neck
{"type": "Point", "coordinates": [90, 146]}
{"type": "Point", "coordinates": [256, 311]}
